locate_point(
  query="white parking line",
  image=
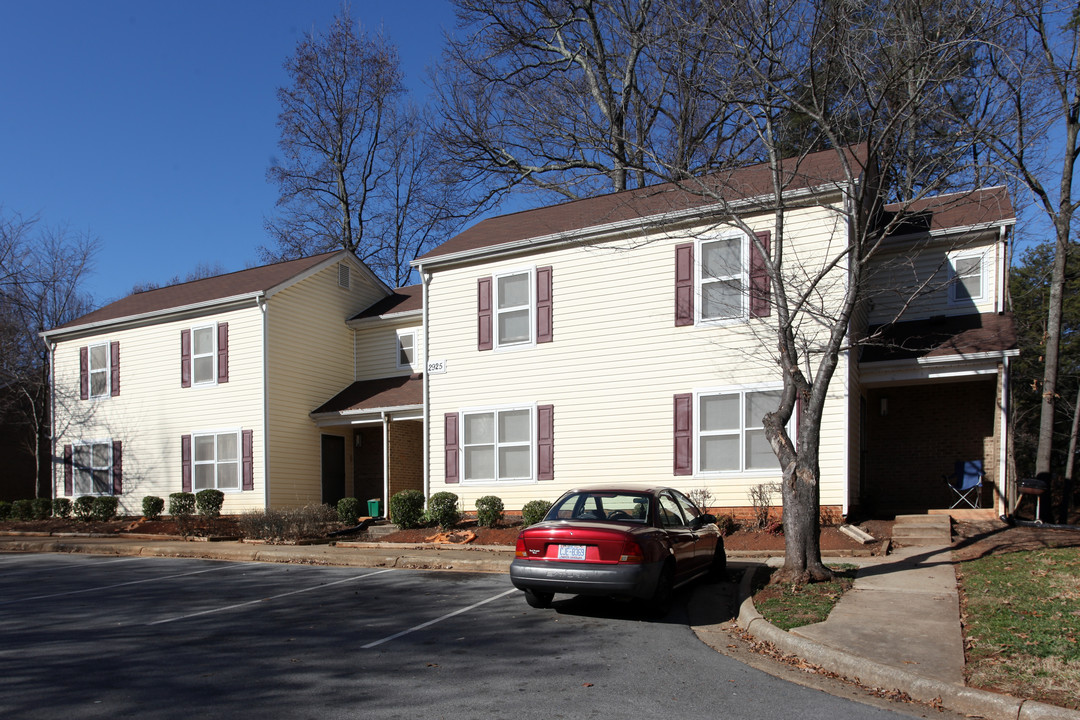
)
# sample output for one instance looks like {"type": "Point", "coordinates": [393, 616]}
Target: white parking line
{"type": "Point", "coordinates": [266, 599]}
{"type": "Point", "coordinates": [123, 584]}
{"type": "Point", "coordinates": [7, 565]}
{"type": "Point", "coordinates": [447, 616]}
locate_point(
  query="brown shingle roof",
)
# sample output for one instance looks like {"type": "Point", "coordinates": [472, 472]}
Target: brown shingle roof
{"type": "Point", "coordinates": [956, 210]}
{"type": "Point", "coordinates": [201, 291]}
{"type": "Point", "coordinates": [372, 395]}
{"type": "Point", "coordinates": [404, 299]}
{"type": "Point", "coordinates": [815, 170]}
{"type": "Point", "coordinates": [942, 337]}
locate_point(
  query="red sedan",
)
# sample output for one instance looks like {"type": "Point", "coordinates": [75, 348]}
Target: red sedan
{"type": "Point", "coordinates": [617, 541]}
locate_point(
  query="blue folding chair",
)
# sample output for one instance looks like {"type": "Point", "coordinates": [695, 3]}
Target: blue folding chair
{"type": "Point", "coordinates": [966, 481]}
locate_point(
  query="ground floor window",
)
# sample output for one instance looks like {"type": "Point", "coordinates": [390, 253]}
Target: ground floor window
{"type": "Point", "coordinates": [216, 461]}
{"type": "Point", "coordinates": [730, 434]}
{"type": "Point", "coordinates": [92, 466]}
{"type": "Point", "coordinates": [498, 444]}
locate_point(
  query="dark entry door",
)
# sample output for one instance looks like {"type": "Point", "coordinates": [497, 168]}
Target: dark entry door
{"type": "Point", "coordinates": [333, 468]}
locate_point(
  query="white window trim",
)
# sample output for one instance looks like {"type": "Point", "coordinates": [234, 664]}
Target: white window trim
{"type": "Point", "coordinates": [533, 445]}
{"type": "Point", "coordinates": [741, 390]}
{"type": "Point", "coordinates": [239, 458]}
{"type": "Point", "coordinates": [522, 344]}
{"type": "Point", "coordinates": [415, 348]}
{"type": "Point", "coordinates": [954, 281]}
{"type": "Point", "coordinates": [90, 371]}
{"type": "Point", "coordinates": [213, 355]}
{"type": "Point", "coordinates": [75, 470]}
{"type": "Point", "coordinates": [744, 279]}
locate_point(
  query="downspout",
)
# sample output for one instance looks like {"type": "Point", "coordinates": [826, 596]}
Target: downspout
{"type": "Point", "coordinates": [1003, 503]}
{"type": "Point", "coordinates": [386, 463]}
{"type": "Point", "coordinates": [261, 302]}
{"type": "Point", "coordinates": [425, 278]}
{"type": "Point", "coordinates": [52, 420]}
{"type": "Point", "coordinates": [1003, 269]}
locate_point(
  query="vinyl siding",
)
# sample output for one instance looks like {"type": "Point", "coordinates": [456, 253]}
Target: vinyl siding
{"type": "Point", "coordinates": [615, 364]}
{"type": "Point", "coordinates": [310, 360]}
{"type": "Point", "coordinates": [376, 348]}
{"type": "Point", "coordinates": [153, 411]}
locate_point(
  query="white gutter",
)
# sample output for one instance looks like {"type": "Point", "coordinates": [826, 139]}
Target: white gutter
{"type": "Point", "coordinates": [263, 307]}
{"type": "Point", "coordinates": [597, 232]}
{"type": "Point", "coordinates": [52, 419]}
{"type": "Point", "coordinates": [425, 279]}
{"type": "Point", "coordinates": [328, 419]}
{"type": "Point", "coordinates": [1003, 269]}
{"type": "Point", "coordinates": [387, 319]}
{"type": "Point", "coordinates": [246, 297]}
{"type": "Point", "coordinates": [386, 464]}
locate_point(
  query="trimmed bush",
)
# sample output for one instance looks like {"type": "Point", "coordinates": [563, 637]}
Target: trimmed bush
{"type": "Point", "coordinates": [348, 510]}
{"type": "Point", "coordinates": [41, 508]}
{"type": "Point", "coordinates": [152, 507]}
{"type": "Point", "coordinates": [104, 507]}
{"type": "Point", "coordinates": [5, 510]}
{"type": "Point", "coordinates": [489, 511]}
{"type": "Point", "coordinates": [61, 507]}
{"type": "Point", "coordinates": [22, 510]}
{"type": "Point", "coordinates": [534, 511]}
{"type": "Point", "coordinates": [287, 524]}
{"type": "Point", "coordinates": [407, 509]}
{"type": "Point", "coordinates": [84, 507]}
{"type": "Point", "coordinates": [443, 510]}
{"type": "Point", "coordinates": [209, 502]}
{"type": "Point", "coordinates": [181, 504]}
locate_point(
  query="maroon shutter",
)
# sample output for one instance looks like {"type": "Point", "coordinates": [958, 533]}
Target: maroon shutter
{"type": "Point", "coordinates": [117, 467]}
{"type": "Point", "coordinates": [84, 373]}
{"type": "Point", "coordinates": [185, 358]}
{"type": "Point", "coordinates": [452, 451]}
{"type": "Point", "coordinates": [684, 284]}
{"type": "Point", "coordinates": [185, 463]}
{"type": "Point", "coordinates": [545, 442]}
{"type": "Point", "coordinates": [684, 434]}
{"type": "Point", "coordinates": [223, 352]}
{"type": "Point", "coordinates": [248, 446]}
{"type": "Point", "coordinates": [483, 314]}
{"type": "Point", "coordinates": [759, 277]}
{"type": "Point", "coordinates": [543, 305]}
{"type": "Point", "coordinates": [69, 475]}
{"type": "Point", "coordinates": [114, 368]}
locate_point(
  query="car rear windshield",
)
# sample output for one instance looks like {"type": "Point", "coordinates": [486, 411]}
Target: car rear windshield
{"type": "Point", "coordinates": [608, 506]}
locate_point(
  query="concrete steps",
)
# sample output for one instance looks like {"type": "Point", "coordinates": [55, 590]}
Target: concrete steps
{"type": "Point", "coordinates": [375, 532]}
{"type": "Point", "coordinates": [922, 530]}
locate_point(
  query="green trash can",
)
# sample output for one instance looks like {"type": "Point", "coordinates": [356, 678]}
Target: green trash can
{"type": "Point", "coordinates": [373, 507]}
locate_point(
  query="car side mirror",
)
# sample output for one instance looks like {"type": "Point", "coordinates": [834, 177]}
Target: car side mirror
{"type": "Point", "coordinates": [702, 520]}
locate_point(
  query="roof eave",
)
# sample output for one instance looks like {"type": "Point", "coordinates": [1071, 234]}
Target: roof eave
{"type": "Point", "coordinates": [385, 319]}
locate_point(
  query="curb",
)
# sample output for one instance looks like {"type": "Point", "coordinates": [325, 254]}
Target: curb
{"type": "Point", "coordinates": [970, 701]}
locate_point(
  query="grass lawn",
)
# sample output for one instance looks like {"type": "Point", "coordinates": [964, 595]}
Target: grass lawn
{"type": "Point", "coordinates": [788, 607]}
{"type": "Point", "coordinates": [1021, 616]}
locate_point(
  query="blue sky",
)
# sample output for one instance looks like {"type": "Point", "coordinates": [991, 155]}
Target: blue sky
{"type": "Point", "coordinates": [151, 123]}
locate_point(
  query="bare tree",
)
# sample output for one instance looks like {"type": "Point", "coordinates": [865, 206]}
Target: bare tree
{"type": "Point", "coordinates": [1032, 88]}
{"type": "Point", "coordinates": [356, 168]}
{"type": "Point", "coordinates": [43, 269]}
{"type": "Point", "coordinates": [202, 270]}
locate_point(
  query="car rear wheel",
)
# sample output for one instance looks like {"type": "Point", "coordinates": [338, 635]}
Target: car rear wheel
{"type": "Point", "coordinates": [538, 599]}
{"type": "Point", "coordinates": [660, 602]}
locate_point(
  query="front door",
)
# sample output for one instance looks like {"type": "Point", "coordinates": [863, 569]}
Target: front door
{"type": "Point", "coordinates": [333, 469]}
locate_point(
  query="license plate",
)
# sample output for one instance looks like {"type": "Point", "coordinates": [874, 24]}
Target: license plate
{"type": "Point", "coordinates": [571, 552]}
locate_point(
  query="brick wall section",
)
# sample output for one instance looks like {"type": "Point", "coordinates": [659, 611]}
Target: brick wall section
{"type": "Point", "coordinates": [926, 429]}
{"type": "Point", "coordinates": [406, 456]}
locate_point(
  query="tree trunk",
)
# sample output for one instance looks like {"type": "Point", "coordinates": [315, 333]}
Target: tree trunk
{"type": "Point", "coordinates": [802, 528]}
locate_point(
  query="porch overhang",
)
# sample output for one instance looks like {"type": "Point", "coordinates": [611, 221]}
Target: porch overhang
{"type": "Point", "coordinates": [938, 349]}
{"type": "Point", "coordinates": [373, 401]}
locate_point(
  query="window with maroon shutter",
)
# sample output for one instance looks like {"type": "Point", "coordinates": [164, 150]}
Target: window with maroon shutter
{"type": "Point", "coordinates": [185, 359]}
{"type": "Point", "coordinates": [545, 442]}
{"type": "Point", "coordinates": [684, 284]}
{"type": "Point", "coordinates": [223, 352]}
{"type": "Point", "coordinates": [117, 467]}
{"type": "Point", "coordinates": [185, 463]}
{"type": "Point", "coordinates": [759, 277]}
{"type": "Point", "coordinates": [451, 448]}
{"type": "Point", "coordinates": [544, 331]}
{"type": "Point", "coordinates": [114, 368]}
{"type": "Point", "coordinates": [248, 469]}
{"type": "Point", "coordinates": [84, 373]}
{"type": "Point", "coordinates": [69, 474]}
{"type": "Point", "coordinates": [483, 314]}
{"type": "Point", "coordinates": [684, 434]}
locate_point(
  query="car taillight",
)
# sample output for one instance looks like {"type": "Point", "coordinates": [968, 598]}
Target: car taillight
{"type": "Point", "coordinates": [519, 549]}
{"type": "Point", "coordinates": [631, 553]}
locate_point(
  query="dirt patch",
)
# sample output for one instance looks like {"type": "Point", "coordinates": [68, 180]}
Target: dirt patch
{"type": "Point", "coordinates": [224, 526]}
{"type": "Point", "coordinates": [975, 540]}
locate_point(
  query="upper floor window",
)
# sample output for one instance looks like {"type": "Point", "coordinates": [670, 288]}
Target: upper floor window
{"type": "Point", "coordinates": [204, 355]}
{"type": "Point", "coordinates": [99, 370]}
{"type": "Point", "coordinates": [722, 279]}
{"type": "Point", "coordinates": [514, 309]}
{"type": "Point", "coordinates": [966, 277]}
{"type": "Point", "coordinates": [406, 349]}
